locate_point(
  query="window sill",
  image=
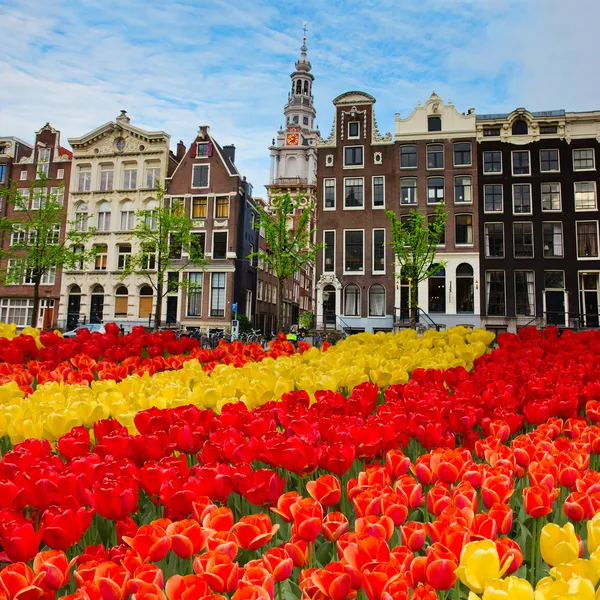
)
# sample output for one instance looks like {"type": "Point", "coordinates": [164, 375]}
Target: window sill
{"type": "Point", "coordinates": [587, 257]}
{"type": "Point", "coordinates": [354, 208]}
{"type": "Point", "coordinates": [521, 174]}
{"type": "Point", "coordinates": [353, 273]}
{"type": "Point", "coordinates": [494, 257]}
{"type": "Point", "coordinates": [554, 257]}
{"type": "Point", "coordinates": [553, 171]}
{"type": "Point", "coordinates": [492, 172]}
{"type": "Point", "coordinates": [354, 166]}
{"type": "Point", "coordinates": [408, 168]}
{"type": "Point", "coordinates": [329, 209]}
{"type": "Point", "coordinates": [464, 245]}
{"type": "Point", "coordinates": [461, 166]}
{"type": "Point", "coordinates": [378, 207]}
{"type": "Point", "coordinates": [583, 170]}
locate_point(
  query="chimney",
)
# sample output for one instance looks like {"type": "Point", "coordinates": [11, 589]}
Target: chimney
{"type": "Point", "coordinates": [180, 151]}
{"type": "Point", "coordinates": [230, 151]}
{"type": "Point", "coordinates": [123, 118]}
{"type": "Point", "coordinates": [471, 111]}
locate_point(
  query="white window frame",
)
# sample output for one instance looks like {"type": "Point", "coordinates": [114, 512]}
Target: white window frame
{"type": "Point", "coordinates": [519, 214]}
{"type": "Point", "coordinates": [486, 298]}
{"type": "Point", "coordinates": [363, 199]}
{"type": "Point", "coordinates": [202, 187]}
{"type": "Point", "coordinates": [416, 189]}
{"type": "Point", "coordinates": [493, 212]}
{"type": "Point", "coordinates": [373, 206]}
{"type": "Point", "coordinates": [325, 208]}
{"type": "Point", "coordinates": [453, 155]}
{"type": "Point", "coordinates": [210, 315]}
{"type": "Point", "coordinates": [152, 166]}
{"type": "Point", "coordinates": [532, 240]}
{"type": "Point", "coordinates": [334, 249]}
{"type": "Point", "coordinates": [361, 166]}
{"type": "Point", "coordinates": [7, 310]}
{"type": "Point", "coordinates": [130, 170]}
{"type": "Point", "coordinates": [86, 171]}
{"type": "Point", "coordinates": [39, 198]}
{"type": "Point", "coordinates": [369, 315]}
{"type": "Point", "coordinates": [552, 210]}
{"type": "Point", "coordinates": [562, 237]}
{"type": "Point", "coordinates": [577, 240]}
{"type": "Point", "coordinates": [592, 168]}
{"type": "Point", "coordinates": [25, 194]}
{"type": "Point", "coordinates": [467, 245]}
{"type": "Point", "coordinates": [443, 157]}
{"type": "Point", "coordinates": [512, 163]}
{"type": "Point", "coordinates": [483, 163]}
{"type": "Point", "coordinates": [212, 243]}
{"type": "Point", "coordinates": [104, 171]}
{"type": "Point", "coordinates": [228, 207]}
{"type": "Point", "coordinates": [557, 170]}
{"type": "Point", "coordinates": [354, 137]}
{"type": "Point", "coordinates": [486, 245]}
{"type": "Point", "coordinates": [18, 235]}
{"type": "Point", "coordinates": [595, 197]}
{"type": "Point", "coordinates": [471, 186]}
{"type": "Point", "coordinates": [416, 154]}
{"type": "Point", "coordinates": [515, 292]}
{"type": "Point", "coordinates": [59, 193]}
{"type": "Point", "coordinates": [23, 176]}
{"type": "Point", "coordinates": [443, 190]}
{"type": "Point", "coordinates": [198, 144]}
{"type": "Point", "coordinates": [373, 271]}
{"type": "Point", "coordinates": [190, 290]}
{"type": "Point", "coordinates": [60, 174]}
{"type": "Point", "coordinates": [363, 253]}
{"type": "Point", "coordinates": [343, 293]}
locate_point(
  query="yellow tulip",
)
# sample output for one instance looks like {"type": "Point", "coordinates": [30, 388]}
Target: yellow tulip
{"type": "Point", "coordinates": [559, 544]}
{"type": "Point", "coordinates": [578, 568]}
{"type": "Point", "coordinates": [479, 563]}
{"type": "Point", "coordinates": [576, 588]}
{"type": "Point", "coordinates": [593, 531]}
{"type": "Point", "coordinates": [511, 588]}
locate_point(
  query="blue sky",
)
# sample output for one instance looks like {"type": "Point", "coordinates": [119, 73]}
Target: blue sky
{"type": "Point", "coordinates": [226, 63]}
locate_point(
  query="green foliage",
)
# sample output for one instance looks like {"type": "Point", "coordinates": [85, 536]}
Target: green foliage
{"type": "Point", "coordinates": [288, 238]}
{"type": "Point", "coordinates": [305, 320]}
{"type": "Point", "coordinates": [245, 324]}
{"type": "Point", "coordinates": [162, 236]}
{"type": "Point", "coordinates": [38, 240]}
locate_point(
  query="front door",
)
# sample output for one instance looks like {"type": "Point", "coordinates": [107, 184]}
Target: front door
{"type": "Point", "coordinates": [97, 308]}
{"type": "Point", "coordinates": [73, 310]}
{"type": "Point", "coordinates": [589, 299]}
{"type": "Point", "coordinates": [329, 306]}
{"type": "Point", "coordinates": [555, 307]}
{"type": "Point", "coordinates": [171, 309]}
{"type": "Point", "coordinates": [48, 315]}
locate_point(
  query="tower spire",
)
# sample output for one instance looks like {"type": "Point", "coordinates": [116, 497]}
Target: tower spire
{"type": "Point", "coordinates": [303, 47]}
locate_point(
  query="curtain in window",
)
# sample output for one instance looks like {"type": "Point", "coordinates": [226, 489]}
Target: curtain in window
{"type": "Point", "coordinates": [587, 243]}
{"type": "Point", "coordinates": [351, 301]}
{"type": "Point", "coordinates": [376, 301]}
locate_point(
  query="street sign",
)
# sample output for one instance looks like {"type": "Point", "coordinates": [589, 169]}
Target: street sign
{"type": "Point", "coordinates": [234, 307]}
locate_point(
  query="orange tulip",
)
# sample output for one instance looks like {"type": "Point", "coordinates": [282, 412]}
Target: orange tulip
{"type": "Point", "coordinates": [254, 531]}
{"type": "Point", "coordinates": [325, 490]}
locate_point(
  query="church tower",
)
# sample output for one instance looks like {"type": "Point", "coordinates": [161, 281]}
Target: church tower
{"type": "Point", "coordinates": [294, 151]}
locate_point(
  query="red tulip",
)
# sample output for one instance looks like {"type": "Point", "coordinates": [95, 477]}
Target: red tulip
{"type": "Point", "coordinates": [413, 535]}
{"type": "Point", "coordinates": [396, 463]}
{"type": "Point", "coordinates": [503, 515]}
{"type": "Point", "coordinates": [440, 568]}
{"type": "Point", "coordinates": [538, 501]}
{"type": "Point", "coordinates": [75, 443]}
{"type": "Point", "coordinates": [115, 498]}
{"type": "Point", "coordinates": [55, 567]}
{"type": "Point", "coordinates": [508, 549]}
{"type": "Point", "coordinates": [187, 537]}
{"type": "Point", "coordinates": [20, 541]}
{"type": "Point", "coordinates": [218, 570]}
{"type": "Point", "coordinates": [578, 506]}
{"type": "Point", "coordinates": [496, 488]}
{"type": "Point", "coordinates": [189, 587]}
{"type": "Point", "coordinates": [63, 527]}
{"type": "Point", "coordinates": [278, 562]}
{"type": "Point", "coordinates": [18, 582]}
{"type": "Point", "coordinates": [254, 531]}
{"type": "Point", "coordinates": [380, 527]}
{"type": "Point", "coordinates": [325, 490]}
{"type": "Point", "coordinates": [333, 581]}
{"type": "Point", "coordinates": [308, 519]}
{"type": "Point", "coordinates": [151, 542]}
{"type": "Point", "coordinates": [335, 524]}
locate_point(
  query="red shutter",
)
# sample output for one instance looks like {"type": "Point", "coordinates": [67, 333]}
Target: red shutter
{"type": "Point", "coordinates": [210, 148]}
{"type": "Point", "coordinates": [193, 150]}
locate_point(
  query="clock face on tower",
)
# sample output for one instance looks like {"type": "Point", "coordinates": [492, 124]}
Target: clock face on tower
{"type": "Point", "coordinates": [292, 139]}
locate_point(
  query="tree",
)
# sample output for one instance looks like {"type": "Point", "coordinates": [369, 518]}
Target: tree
{"type": "Point", "coordinates": [288, 236]}
{"type": "Point", "coordinates": [162, 235]}
{"type": "Point", "coordinates": [414, 242]}
{"type": "Point", "coordinates": [37, 244]}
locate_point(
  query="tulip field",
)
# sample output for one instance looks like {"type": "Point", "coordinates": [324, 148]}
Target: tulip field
{"type": "Point", "coordinates": [386, 467]}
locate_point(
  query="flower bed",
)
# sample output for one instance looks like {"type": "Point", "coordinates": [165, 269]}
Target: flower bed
{"type": "Point", "coordinates": [451, 484]}
{"type": "Point", "coordinates": [34, 358]}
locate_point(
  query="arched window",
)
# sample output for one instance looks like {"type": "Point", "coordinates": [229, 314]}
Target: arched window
{"type": "Point", "coordinates": [464, 289]}
{"type": "Point", "coordinates": [377, 301]}
{"type": "Point", "coordinates": [97, 304]}
{"type": "Point", "coordinates": [98, 289]}
{"type": "Point", "coordinates": [298, 87]}
{"type": "Point", "coordinates": [145, 301]}
{"type": "Point", "coordinates": [74, 289]}
{"type": "Point", "coordinates": [124, 256]}
{"type": "Point", "coordinates": [306, 88]}
{"type": "Point", "coordinates": [127, 216]}
{"type": "Point", "coordinates": [81, 217]}
{"type": "Point", "coordinates": [437, 292]}
{"type": "Point", "coordinates": [352, 300]}
{"type": "Point", "coordinates": [519, 127]}
{"type": "Point", "coordinates": [103, 216]}
{"type": "Point", "coordinates": [121, 299]}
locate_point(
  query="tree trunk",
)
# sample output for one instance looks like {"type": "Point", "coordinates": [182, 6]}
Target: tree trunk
{"type": "Point", "coordinates": [36, 303]}
{"type": "Point", "coordinates": [158, 308]}
{"type": "Point", "coordinates": [414, 303]}
{"type": "Point", "coordinates": [280, 283]}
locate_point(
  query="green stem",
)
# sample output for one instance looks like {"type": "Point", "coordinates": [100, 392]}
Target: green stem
{"type": "Point", "coordinates": [533, 558]}
{"type": "Point", "coordinates": [457, 589]}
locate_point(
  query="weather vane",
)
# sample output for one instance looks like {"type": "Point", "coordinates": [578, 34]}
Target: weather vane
{"type": "Point", "coordinates": [304, 29]}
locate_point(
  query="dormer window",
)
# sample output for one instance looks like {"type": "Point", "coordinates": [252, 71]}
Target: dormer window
{"type": "Point", "coordinates": [353, 130]}
{"type": "Point", "coordinates": [202, 150]}
{"type": "Point", "coordinates": [434, 123]}
{"type": "Point", "coordinates": [520, 127]}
